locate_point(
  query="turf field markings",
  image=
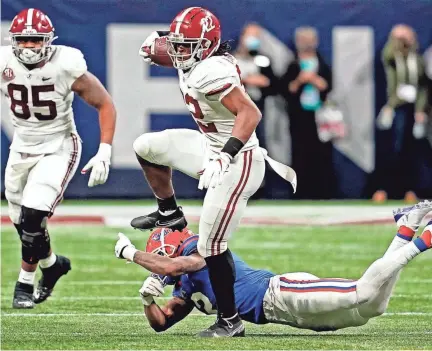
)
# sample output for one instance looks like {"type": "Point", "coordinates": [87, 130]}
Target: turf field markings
{"type": "Point", "coordinates": [132, 314]}
{"type": "Point", "coordinates": [133, 298]}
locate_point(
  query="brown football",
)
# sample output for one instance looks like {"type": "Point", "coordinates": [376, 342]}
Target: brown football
{"type": "Point", "coordinates": [158, 52]}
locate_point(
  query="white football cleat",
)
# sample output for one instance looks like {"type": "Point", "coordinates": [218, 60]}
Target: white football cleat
{"type": "Point", "coordinates": [412, 216]}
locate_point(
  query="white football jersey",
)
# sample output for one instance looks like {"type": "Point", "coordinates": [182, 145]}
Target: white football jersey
{"type": "Point", "coordinates": [40, 99]}
{"type": "Point", "coordinates": [203, 88]}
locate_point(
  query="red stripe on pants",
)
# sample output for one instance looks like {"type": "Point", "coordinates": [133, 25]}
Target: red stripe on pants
{"type": "Point", "coordinates": [73, 158]}
{"type": "Point", "coordinates": [235, 202]}
{"type": "Point", "coordinates": [214, 246]}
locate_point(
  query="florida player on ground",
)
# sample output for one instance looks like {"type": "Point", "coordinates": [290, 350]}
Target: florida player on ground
{"type": "Point", "coordinates": [300, 300]}
{"type": "Point", "coordinates": [39, 80]}
{"type": "Point", "coordinates": [225, 156]}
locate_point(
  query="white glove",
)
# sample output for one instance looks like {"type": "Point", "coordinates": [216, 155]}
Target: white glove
{"type": "Point", "coordinates": [151, 288]}
{"type": "Point", "coordinates": [100, 165]}
{"type": "Point", "coordinates": [385, 118]}
{"type": "Point", "coordinates": [148, 42]}
{"type": "Point", "coordinates": [124, 248]}
{"type": "Point", "coordinates": [214, 171]}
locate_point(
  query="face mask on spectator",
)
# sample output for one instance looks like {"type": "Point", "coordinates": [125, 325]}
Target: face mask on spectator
{"type": "Point", "coordinates": [252, 44]}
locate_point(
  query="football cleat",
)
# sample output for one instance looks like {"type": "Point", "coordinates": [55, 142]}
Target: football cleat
{"type": "Point", "coordinates": [174, 221]}
{"type": "Point", "coordinates": [50, 276]}
{"type": "Point", "coordinates": [224, 328]}
{"type": "Point", "coordinates": [412, 216]}
{"type": "Point", "coordinates": [23, 296]}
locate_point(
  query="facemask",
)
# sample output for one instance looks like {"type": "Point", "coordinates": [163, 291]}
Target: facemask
{"type": "Point", "coordinates": [252, 44]}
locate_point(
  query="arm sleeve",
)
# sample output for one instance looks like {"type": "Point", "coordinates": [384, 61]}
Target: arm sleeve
{"type": "Point", "coordinates": [325, 73]}
{"type": "Point", "coordinates": [422, 93]}
{"type": "Point", "coordinates": [390, 71]}
{"type": "Point", "coordinates": [183, 289]}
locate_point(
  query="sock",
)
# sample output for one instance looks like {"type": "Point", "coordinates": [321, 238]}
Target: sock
{"type": "Point", "coordinates": [403, 237]}
{"type": "Point", "coordinates": [48, 262]}
{"type": "Point", "coordinates": [424, 241]}
{"type": "Point", "coordinates": [167, 206]}
{"type": "Point", "coordinates": [383, 269]}
{"type": "Point", "coordinates": [222, 278]}
{"type": "Point", "coordinates": [26, 277]}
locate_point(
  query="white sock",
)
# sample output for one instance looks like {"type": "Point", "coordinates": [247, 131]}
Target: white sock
{"type": "Point", "coordinates": [49, 261]}
{"type": "Point", "coordinates": [26, 277]}
{"type": "Point", "coordinates": [383, 269]}
{"type": "Point", "coordinates": [396, 244]}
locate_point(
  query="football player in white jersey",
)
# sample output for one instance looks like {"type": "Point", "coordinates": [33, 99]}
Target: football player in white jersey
{"type": "Point", "coordinates": [225, 156]}
{"type": "Point", "coordinates": [39, 81]}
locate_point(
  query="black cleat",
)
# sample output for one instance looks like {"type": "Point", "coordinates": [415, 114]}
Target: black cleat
{"type": "Point", "coordinates": [224, 328]}
{"type": "Point", "coordinates": [175, 221]}
{"type": "Point", "coordinates": [50, 276]}
{"type": "Point", "coordinates": [23, 296]}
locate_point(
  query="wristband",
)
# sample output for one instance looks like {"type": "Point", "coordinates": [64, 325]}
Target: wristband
{"type": "Point", "coordinates": [129, 252]}
{"type": "Point", "coordinates": [232, 146]}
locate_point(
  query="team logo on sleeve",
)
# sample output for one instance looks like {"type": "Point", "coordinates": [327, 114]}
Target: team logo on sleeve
{"type": "Point", "coordinates": [8, 74]}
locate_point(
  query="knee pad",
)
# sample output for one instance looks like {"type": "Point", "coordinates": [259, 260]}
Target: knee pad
{"type": "Point", "coordinates": [365, 292]}
{"type": "Point", "coordinates": [153, 147]}
{"type": "Point", "coordinates": [34, 235]}
{"type": "Point", "coordinates": [141, 145]}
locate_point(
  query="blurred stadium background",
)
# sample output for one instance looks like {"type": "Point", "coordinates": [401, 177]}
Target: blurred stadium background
{"type": "Point", "coordinates": [352, 35]}
{"type": "Point", "coordinates": [109, 32]}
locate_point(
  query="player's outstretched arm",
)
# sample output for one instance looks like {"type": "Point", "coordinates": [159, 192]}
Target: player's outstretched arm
{"type": "Point", "coordinates": [162, 318]}
{"type": "Point", "coordinates": [247, 113]}
{"type": "Point", "coordinates": [155, 263]}
{"type": "Point", "coordinates": [169, 266]}
{"type": "Point", "coordinates": [91, 90]}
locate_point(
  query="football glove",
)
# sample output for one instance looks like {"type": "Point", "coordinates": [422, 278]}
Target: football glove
{"type": "Point", "coordinates": [124, 248]}
{"type": "Point", "coordinates": [100, 166]}
{"type": "Point", "coordinates": [214, 171]}
{"type": "Point", "coordinates": [151, 288]}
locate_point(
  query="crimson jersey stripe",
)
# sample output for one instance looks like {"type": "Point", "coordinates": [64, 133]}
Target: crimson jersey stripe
{"type": "Point", "coordinates": [219, 90]}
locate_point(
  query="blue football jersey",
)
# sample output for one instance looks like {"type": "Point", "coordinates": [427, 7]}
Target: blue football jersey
{"type": "Point", "coordinates": [250, 287]}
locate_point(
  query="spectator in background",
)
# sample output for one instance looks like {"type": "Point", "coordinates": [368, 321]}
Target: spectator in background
{"type": "Point", "coordinates": [256, 70]}
{"type": "Point", "coordinates": [428, 69]}
{"type": "Point", "coordinates": [305, 86]}
{"type": "Point", "coordinates": [404, 115]}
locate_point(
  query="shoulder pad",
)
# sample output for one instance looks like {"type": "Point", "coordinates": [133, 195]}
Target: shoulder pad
{"type": "Point", "coordinates": [6, 54]}
{"type": "Point", "coordinates": [71, 60]}
{"type": "Point", "coordinates": [212, 72]}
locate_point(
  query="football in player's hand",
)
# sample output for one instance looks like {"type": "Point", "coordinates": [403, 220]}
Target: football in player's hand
{"type": "Point", "coordinates": [158, 52]}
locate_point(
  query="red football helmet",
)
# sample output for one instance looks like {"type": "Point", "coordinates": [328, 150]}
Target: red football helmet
{"type": "Point", "coordinates": [32, 25]}
{"type": "Point", "coordinates": [197, 28]}
{"type": "Point", "coordinates": [165, 241]}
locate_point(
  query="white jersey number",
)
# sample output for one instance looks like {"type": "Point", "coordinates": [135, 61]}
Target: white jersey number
{"type": "Point", "coordinates": [195, 109]}
{"type": "Point", "coordinates": [23, 101]}
{"type": "Point", "coordinates": [202, 303]}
